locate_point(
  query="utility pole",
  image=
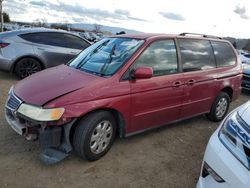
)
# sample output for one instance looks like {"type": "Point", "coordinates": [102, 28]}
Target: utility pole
{"type": "Point", "coordinates": [1, 14]}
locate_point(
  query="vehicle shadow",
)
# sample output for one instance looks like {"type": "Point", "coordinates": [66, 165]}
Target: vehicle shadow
{"type": "Point", "coordinates": [181, 125]}
{"type": "Point", "coordinates": [7, 76]}
{"type": "Point", "coordinates": [245, 92]}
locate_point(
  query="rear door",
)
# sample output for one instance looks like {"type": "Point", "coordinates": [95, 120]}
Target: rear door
{"type": "Point", "coordinates": [157, 101]}
{"type": "Point", "coordinates": [199, 76]}
{"type": "Point", "coordinates": [51, 47]}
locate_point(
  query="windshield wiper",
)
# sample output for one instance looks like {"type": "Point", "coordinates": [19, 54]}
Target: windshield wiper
{"type": "Point", "coordinates": [90, 55]}
{"type": "Point", "coordinates": [112, 52]}
{"type": "Point", "coordinates": [92, 72]}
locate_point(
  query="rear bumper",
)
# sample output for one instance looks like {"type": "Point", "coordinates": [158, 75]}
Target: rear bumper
{"type": "Point", "coordinates": [5, 64]}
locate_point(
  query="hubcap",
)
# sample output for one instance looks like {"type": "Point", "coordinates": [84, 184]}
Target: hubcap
{"type": "Point", "coordinates": [101, 137]}
{"type": "Point", "coordinates": [221, 107]}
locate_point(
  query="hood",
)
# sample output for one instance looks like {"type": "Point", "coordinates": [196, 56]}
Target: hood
{"type": "Point", "coordinates": [246, 69]}
{"type": "Point", "coordinates": [49, 84]}
{"type": "Point", "coordinates": [244, 112]}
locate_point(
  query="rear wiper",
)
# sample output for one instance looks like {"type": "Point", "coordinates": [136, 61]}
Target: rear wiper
{"type": "Point", "coordinates": [112, 52]}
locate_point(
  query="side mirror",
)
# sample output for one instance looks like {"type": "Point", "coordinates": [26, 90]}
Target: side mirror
{"type": "Point", "coordinates": [143, 73]}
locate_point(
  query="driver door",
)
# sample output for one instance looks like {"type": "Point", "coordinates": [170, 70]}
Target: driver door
{"type": "Point", "coordinates": [157, 100]}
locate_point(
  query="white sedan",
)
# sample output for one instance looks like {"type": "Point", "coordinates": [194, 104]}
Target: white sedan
{"type": "Point", "coordinates": [226, 163]}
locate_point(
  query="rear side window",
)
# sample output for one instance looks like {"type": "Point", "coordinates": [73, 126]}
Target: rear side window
{"type": "Point", "coordinates": [224, 54]}
{"type": "Point", "coordinates": [47, 38]}
{"type": "Point", "coordinates": [161, 56]}
{"type": "Point", "coordinates": [75, 42]}
{"type": "Point", "coordinates": [196, 55]}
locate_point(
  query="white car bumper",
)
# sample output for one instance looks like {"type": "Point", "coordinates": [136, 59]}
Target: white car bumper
{"type": "Point", "coordinates": [221, 160]}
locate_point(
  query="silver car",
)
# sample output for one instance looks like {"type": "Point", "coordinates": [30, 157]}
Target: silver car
{"type": "Point", "coordinates": [28, 51]}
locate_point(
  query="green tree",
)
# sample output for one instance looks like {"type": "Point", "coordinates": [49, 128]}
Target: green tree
{"type": "Point", "coordinates": [247, 46]}
{"type": "Point", "coordinates": [6, 17]}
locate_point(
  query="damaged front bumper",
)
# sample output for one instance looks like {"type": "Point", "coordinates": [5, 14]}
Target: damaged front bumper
{"type": "Point", "coordinates": [54, 140]}
{"type": "Point", "coordinates": [54, 137]}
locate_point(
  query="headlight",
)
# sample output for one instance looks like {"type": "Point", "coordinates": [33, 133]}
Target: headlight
{"type": "Point", "coordinates": [40, 114]}
{"type": "Point", "coordinates": [235, 135]}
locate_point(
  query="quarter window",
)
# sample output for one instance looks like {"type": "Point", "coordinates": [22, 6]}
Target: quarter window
{"type": "Point", "coordinates": [161, 56]}
{"type": "Point", "coordinates": [224, 54]}
{"type": "Point", "coordinates": [196, 55]}
{"type": "Point", "coordinates": [75, 42]}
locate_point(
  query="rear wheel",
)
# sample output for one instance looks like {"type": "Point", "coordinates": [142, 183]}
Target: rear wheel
{"type": "Point", "coordinates": [219, 108]}
{"type": "Point", "coordinates": [26, 67]}
{"type": "Point", "coordinates": [94, 135]}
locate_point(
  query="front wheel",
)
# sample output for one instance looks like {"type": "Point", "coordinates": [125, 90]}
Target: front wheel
{"type": "Point", "coordinates": [219, 108]}
{"type": "Point", "coordinates": [94, 135]}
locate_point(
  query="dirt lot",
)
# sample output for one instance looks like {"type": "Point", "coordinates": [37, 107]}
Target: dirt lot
{"type": "Point", "coordinates": [167, 157]}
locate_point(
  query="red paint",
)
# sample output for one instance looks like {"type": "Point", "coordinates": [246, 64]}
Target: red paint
{"type": "Point", "coordinates": [143, 103]}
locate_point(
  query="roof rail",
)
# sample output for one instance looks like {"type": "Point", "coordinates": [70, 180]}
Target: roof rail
{"type": "Point", "coordinates": [202, 35]}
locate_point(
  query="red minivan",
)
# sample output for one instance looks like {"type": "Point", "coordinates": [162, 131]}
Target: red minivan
{"type": "Point", "coordinates": [123, 85]}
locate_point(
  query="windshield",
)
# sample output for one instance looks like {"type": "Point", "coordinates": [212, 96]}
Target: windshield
{"type": "Point", "coordinates": [105, 57]}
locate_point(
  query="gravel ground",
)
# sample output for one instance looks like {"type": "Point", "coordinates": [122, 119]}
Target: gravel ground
{"type": "Point", "coordinates": [166, 157]}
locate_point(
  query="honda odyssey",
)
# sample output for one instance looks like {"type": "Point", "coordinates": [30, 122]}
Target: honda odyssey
{"type": "Point", "coordinates": [124, 85]}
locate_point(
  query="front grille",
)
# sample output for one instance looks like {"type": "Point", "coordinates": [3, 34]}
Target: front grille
{"type": "Point", "coordinates": [13, 102]}
{"type": "Point", "coordinates": [246, 77]}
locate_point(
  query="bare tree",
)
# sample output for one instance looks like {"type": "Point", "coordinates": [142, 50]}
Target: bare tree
{"type": "Point", "coordinates": [40, 22]}
{"type": "Point", "coordinates": [1, 14]}
{"type": "Point", "coordinates": [66, 25]}
{"type": "Point", "coordinates": [97, 28]}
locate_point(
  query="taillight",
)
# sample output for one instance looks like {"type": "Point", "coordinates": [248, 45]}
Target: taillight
{"type": "Point", "coordinates": [3, 44]}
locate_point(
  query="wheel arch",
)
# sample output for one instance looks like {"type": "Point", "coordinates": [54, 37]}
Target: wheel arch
{"type": "Point", "coordinates": [229, 91]}
{"type": "Point", "coordinates": [117, 115]}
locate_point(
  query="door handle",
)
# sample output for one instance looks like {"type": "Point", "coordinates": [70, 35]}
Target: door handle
{"type": "Point", "coordinates": [40, 48]}
{"type": "Point", "coordinates": [177, 84]}
{"type": "Point", "coordinates": [190, 82]}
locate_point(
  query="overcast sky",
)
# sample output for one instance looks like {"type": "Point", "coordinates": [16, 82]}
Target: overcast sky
{"type": "Point", "coordinates": [216, 17]}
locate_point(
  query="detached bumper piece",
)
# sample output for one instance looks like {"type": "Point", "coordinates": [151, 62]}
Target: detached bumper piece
{"type": "Point", "coordinates": [52, 156]}
{"type": "Point", "coordinates": [55, 143]}
{"type": "Point", "coordinates": [50, 137]}
{"type": "Point", "coordinates": [50, 141]}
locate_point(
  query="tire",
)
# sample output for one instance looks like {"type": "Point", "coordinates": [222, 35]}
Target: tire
{"type": "Point", "coordinates": [26, 67]}
{"type": "Point", "coordinates": [100, 127]}
{"type": "Point", "coordinates": [219, 108]}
